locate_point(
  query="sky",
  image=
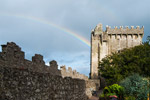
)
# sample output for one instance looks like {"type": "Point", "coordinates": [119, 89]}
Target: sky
{"type": "Point", "coordinates": [60, 29]}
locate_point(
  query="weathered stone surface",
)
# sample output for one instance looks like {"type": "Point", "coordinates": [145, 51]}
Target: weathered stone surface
{"type": "Point", "coordinates": [112, 40]}
{"type": "Point", "coordinates": [92, 85]}
{"type": "Point", "coordinates": [72, 73]}
{"type": "Point", "coordinates": [18, 84]}
{"type": "Point", "coordinates": [21, 79]}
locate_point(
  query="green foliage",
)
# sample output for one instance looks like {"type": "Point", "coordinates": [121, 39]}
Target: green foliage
{"type": "Point", "coordinates": [118, 66]}
{"type": "Point", "coordinates": [136, 86]}
{"type": "Point", "coordinates": [130, 98]}
{"type": "Point", "coordinates": [114, 89]}
{"type": "Point", "coordinates": [107, 95]}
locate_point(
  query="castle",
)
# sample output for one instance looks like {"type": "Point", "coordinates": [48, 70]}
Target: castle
{"type": "Point", "coordinates": [22, 79]}
{"type": "Point", "coordinates": [104, 43]}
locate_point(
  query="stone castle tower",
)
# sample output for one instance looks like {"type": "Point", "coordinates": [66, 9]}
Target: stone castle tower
{"type": "Point", "coordinates": [111, 40]}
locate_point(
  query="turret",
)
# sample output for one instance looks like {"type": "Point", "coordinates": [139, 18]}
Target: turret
{"type": "Point", "coordinates": [98, 29]}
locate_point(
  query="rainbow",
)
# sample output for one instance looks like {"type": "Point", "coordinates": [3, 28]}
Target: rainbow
{"type": "Point", "coordinates": [65, 30]}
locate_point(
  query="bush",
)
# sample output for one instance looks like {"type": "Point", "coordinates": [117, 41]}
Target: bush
{"type": "Point", "coordinates": [130, 98]}
{"type": "Point", "coordinates": [114, 89]}
{"type": "Point", "coordinates": [136, 86]}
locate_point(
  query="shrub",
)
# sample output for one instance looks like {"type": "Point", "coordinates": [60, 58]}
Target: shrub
{"type": "Point", "coordinates": [136, 86]}
{"type": "Point", "coordinates": [114, 89]}
{"type": "Point", "coordinates": [130, 98]}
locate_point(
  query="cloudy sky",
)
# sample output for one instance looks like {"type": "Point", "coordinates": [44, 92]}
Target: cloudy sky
{"type": "Point", "coordinates": [46, 26]}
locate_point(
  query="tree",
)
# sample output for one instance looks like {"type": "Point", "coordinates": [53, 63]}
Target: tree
{"type": "Point", "coordinates": [118, 66]}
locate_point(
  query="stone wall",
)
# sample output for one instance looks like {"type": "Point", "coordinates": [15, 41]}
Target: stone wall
{"type": "Point", "coordinates": [21, 79]}
{"type": "Point", "coordinates": [92, 85]}
{"type": "Point", "coordinates": [106, 42]}
{"type": "Point", "coordinates": [72, 73]}
{"type": "Point", "coordinates": [22, 84]}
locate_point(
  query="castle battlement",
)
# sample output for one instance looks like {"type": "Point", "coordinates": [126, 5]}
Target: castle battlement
{"type": "Point", "coordinates": [11, 51]}
{"type": "Point", "coordinates": [38, 59]}
{"type": "Point", "coordinates": [19, 78]}
{"type": "Point", "coordinates": [112, 40]}
{"type": "Point", "coordinates": [126, 30]}
{"type": "Point", "coordinates": [12, 56]}
{"type": "Point", "coordinates": [71, 73]}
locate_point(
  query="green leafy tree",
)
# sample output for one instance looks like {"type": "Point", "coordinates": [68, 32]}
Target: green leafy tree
{"type": "Point", "coordinates": [118, 66]}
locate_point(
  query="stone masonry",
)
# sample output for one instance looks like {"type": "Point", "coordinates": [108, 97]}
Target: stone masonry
{"type": "Point", "coordinates": [104, 43]}
{"type": "Point", "coordinates": [18, 84]}
{"type": "Point", "coordinates": [21, 79]}
{"type": "Point", "coordinates": [72, 73]}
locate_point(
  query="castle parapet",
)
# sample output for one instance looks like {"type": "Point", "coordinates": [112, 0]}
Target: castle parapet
{"type": "Point", "coordinates": [98, 29]}
{"type": "Point", "coordinates": [12, 52]}
{"type": "Point", "coordinates": [125, 30]}
{"type": "Point", "coordinates": [71, 73]}
{"type": "Point", "coordinates": [53, 64]}
{"type": "Point", "coordinates": [63, 68]}
{"type": "Point", "coordinates": [12, 56]}
{"type": "Point", "coordinates": [38, 59]}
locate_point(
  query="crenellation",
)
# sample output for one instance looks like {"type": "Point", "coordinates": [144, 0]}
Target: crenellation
{"type": "Point", "coordinates": [13, 57]}
{"type": "Point", "coordinates": [53, 64]}
{"type": "Point", "coordinates": [126, 30]}
{"type": "Point", "coordinates": [132, 27]}
{"type": "Point", "coordinates": [12, 52]}
{"type": "Point", "coordinates": [112, 40]}
{"type": "Point", "coordinates": [71, 73]}
{"type": "Point", "coordinates": [137, 27]}
{"type": "Point", "coordinates": [121, 27]}
{"type": "Point", "coordinates": [127, 27]}
{"type": "Point", "coordinates": [69, 69]}
{"type": "Point", "coordinates": [63, 68]}
{"type": "Point", "coordinates": [38, 59]}
{"type": "Point", "coordinates": [74, 71]}
{"type": "Point", "coordinates": [98, 30]}
{"type": "Point", "coordinates": [38, 81]}
{"type": "Point", "coordinates": [116, 27]}
{"type": "Point", "coordinates": [4, 48]}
